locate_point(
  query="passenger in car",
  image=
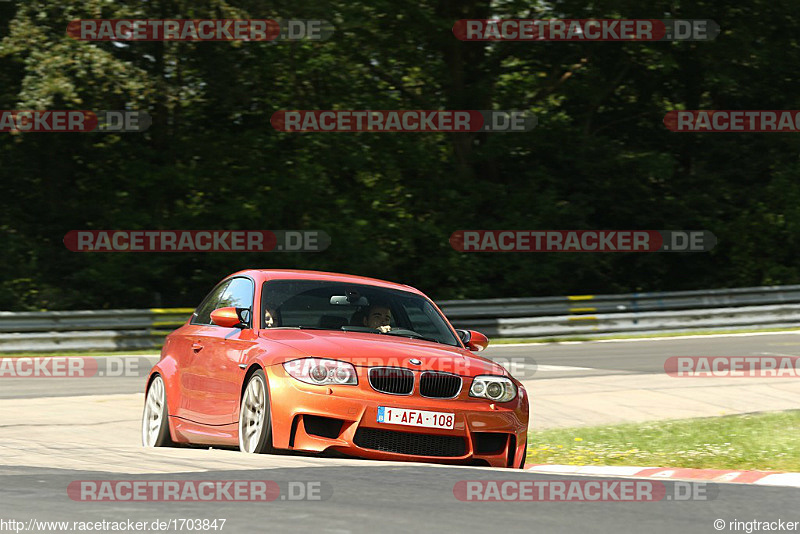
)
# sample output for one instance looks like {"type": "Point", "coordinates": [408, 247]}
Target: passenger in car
{"type": "Point", "coordinates": [270, 318]}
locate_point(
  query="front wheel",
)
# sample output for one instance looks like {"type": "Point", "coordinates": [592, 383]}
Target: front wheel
{"type": "Point", "coordinates": [524, 456]}
{"type": "Point", "coordinates": [155, 423]}
{"type": "Point", "coordinates": [255, 425]}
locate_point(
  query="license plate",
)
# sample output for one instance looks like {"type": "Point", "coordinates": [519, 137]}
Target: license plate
{"type": "Point", "coordinates": [401, 416]}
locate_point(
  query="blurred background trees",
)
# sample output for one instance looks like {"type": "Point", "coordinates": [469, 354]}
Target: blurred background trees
{"type": "Point", "coordinates": [600, 157]}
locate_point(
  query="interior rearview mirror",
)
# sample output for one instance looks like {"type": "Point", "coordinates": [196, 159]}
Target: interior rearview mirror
{"type": "Point", "coordinates": [342, 300]}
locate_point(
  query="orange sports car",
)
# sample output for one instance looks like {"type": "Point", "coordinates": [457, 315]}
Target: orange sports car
{"type": "Point", "coordinates": [322, 362]}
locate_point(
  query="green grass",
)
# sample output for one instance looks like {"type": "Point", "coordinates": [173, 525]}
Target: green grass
{"type": "Point", "coordinates": [764, 441]}
{"type": "Point", "coordinates": [143, 352]}
{"type": "Point", "coordinates": [595, 337]}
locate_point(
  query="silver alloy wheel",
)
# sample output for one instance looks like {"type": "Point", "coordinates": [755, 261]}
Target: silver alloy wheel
{"type": "Point", "coordinates": [252, 415]}
{"type": "Point", "coordinates": [153, 417]}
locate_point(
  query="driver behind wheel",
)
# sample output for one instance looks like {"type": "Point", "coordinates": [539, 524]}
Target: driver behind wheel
{"type": "Point", "coordinates": [378, 316]}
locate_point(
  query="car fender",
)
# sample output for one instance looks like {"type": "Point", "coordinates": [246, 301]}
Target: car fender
{"type": "Point", "coordinates": [166, 367]}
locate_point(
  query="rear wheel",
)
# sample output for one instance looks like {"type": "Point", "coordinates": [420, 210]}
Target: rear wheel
{"type": "Point", "coordinates": [255, 425]}
{"type": "Point", "coordinates": [155, 423]}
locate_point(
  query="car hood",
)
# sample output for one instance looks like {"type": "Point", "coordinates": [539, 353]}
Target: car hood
{"type": "Point", "coordinates": [370, 350]}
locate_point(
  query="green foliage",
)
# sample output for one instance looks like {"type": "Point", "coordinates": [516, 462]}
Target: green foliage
{"type": "Point", "coordinates": [600, 157]}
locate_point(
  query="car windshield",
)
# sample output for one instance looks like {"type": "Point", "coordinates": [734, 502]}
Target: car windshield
{"type": "Point", "coordinates": [321, 305]}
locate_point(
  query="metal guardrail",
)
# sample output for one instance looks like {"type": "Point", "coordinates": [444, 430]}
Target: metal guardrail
{"type": "Point", "coordinates": [746, 317]}
{"type": "Point", "coordinates": [60, 321]}
{"type": "Point", "coordinates": [106, 340]}
{"type": "Point", "coordinates": [766, 306]}
{"type": "Point", "coordinates": [633, 302]}
{"type": "Point", "coordinates": [668, 311]}
{"type": "Point", "coordinates": [88, 329]}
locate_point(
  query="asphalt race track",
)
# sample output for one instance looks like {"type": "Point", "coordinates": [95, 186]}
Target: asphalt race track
{"type": "Point", "coordinates": [51, 438]}
{"type": "Point", "coordinates": [601, 358]}
{"type": "Point", "coordinates": [393, 498]}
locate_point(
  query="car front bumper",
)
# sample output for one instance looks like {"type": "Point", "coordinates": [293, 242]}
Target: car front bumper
{"type": "Point", "coordinates": [344, 419]}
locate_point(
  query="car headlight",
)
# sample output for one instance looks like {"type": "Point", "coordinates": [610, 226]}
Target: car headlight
{"type": "Point", "coordinates": [322, 372]}
{"type": "Point", "coordinates": [494, 388]}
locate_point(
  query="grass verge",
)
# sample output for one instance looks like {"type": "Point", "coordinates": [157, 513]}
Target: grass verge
{"type": "Point", "coordinates": [763, 441]}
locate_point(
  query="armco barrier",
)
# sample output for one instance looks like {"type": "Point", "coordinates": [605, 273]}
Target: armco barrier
{"type": "Point", "coordinates": [60, 321]}
{"type": "Point", "coordinates": [88, 329]}
{"type": "Point", "coordinates": [753, 307]}
{"type": "Point", "coordinates": [786, 316]}
{"type": "Point", "coordinates": [110, 340]}
{"type": "Point", "coordinates": [633, 302]}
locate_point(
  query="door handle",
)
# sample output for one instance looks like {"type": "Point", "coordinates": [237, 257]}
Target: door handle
{"type": "Point", "coordinates": [197, 347]}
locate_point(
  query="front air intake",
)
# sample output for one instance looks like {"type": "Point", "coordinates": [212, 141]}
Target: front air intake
{"type": "Point", "coordinates": [410, 443]}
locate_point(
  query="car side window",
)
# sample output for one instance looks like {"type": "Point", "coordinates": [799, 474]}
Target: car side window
{"type": "Point", "coordinates": [202, 315]}
{"type": "Point", "coordinates": [238, 294]}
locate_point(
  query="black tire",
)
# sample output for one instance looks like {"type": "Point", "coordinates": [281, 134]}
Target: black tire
{"type": "Point", "coordinates": [249, 414]}
{"type": "Point", "coordinates": [524, 456]}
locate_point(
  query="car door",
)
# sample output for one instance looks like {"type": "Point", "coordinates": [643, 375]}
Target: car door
{"type": "Point", "coordinates": [185, 344]}
{"type": "Point", "coordinates": [212, 377]}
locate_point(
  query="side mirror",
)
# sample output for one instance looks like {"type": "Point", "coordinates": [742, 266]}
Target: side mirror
{"type": "Point", "coordinates": [227, 317]}
{"type": "Point", "coordinates": [473, 340]}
